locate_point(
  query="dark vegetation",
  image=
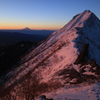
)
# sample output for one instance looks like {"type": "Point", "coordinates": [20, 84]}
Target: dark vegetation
{"type": "Point", "coordinates": [11, 54]}
{"type": "Point", "coordinates": [14, 44]}
{"type": "Point", "coordinates": [28, 88]}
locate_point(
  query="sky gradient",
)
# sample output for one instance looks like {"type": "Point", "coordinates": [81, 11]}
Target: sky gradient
{"type": "Point", "coordinates": [42, 14]}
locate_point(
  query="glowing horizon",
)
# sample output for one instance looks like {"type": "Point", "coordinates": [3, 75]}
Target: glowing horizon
{"type": "Point", "coordinates": [42, 14]}
{"type": "Point", "coordinates": [35, 28]}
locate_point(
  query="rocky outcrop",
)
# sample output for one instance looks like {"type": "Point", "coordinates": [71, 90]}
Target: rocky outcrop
{"type": "Point", "coordinates": [43, 97]}
{"type": "Point", "coordinates": [83, 54]}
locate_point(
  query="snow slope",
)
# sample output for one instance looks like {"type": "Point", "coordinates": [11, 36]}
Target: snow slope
{"type": "Point", "coordinates": [55, 58]}
{"type": "Point", "coordinates": [89, 92]}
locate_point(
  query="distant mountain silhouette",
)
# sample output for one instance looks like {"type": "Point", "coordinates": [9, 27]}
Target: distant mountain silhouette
{"type": "Point", "coordinates": [26, 29]}
{"type": "Point", "coordinates": [29, 31]}
{"type": "Point", "coordinates": [14, 37]}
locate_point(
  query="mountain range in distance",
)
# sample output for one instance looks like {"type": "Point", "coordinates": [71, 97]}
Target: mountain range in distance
{"type": "Point", "coordinates": [30, 31]}
{"type": "Point", "coordinates": [26, 34]}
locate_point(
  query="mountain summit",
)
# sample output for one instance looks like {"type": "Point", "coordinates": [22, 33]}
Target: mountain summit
{"type": "Point", "coordinates": [83, 19]}
{"type": "Point", "coordinates": [68, 56]}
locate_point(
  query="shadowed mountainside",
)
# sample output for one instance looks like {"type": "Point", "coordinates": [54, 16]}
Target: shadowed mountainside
{"type": "Point", "coordinates": [14, 37]}
{"type": "Point", "coordinates": [10, 55]}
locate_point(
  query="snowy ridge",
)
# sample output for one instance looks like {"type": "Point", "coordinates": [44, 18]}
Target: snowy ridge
{"type": "Point", "coordinates": [55, 58]}
{"type": "Point", "coordinates": [77, 21]}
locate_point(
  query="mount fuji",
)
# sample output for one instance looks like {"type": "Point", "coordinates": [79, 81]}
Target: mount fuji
{"type": "Point", "coordinates": [69, 57]}
{"type": "Point", "coordinates": [26, 29]}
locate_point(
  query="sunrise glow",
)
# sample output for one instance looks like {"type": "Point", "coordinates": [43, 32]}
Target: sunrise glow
{"type": "Point", "coordinates": [42, 14]}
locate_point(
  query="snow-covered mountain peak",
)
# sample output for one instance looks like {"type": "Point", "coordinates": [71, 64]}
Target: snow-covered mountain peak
{"type": "Point", "coordinates": [87, 11]}
{"type": "Point", "coordinates": [80, 20]}
{"type": "Point", "coordinates": [66, 44]}
{"type": "Point", "coordinates": [69, 55]}
{"type": "Point", "coordinates": [62, 47]}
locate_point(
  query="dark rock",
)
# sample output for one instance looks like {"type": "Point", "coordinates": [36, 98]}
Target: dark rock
{"type": "Point", "coordinates": [43, 97]}
{"type": "Point", "coordinates": [84, 52]}
{"type": "Point", "coordinates": [70, 73]}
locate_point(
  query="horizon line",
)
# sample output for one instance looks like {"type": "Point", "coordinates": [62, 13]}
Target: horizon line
{"type": "Point", "coordinates": [30, 29]}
